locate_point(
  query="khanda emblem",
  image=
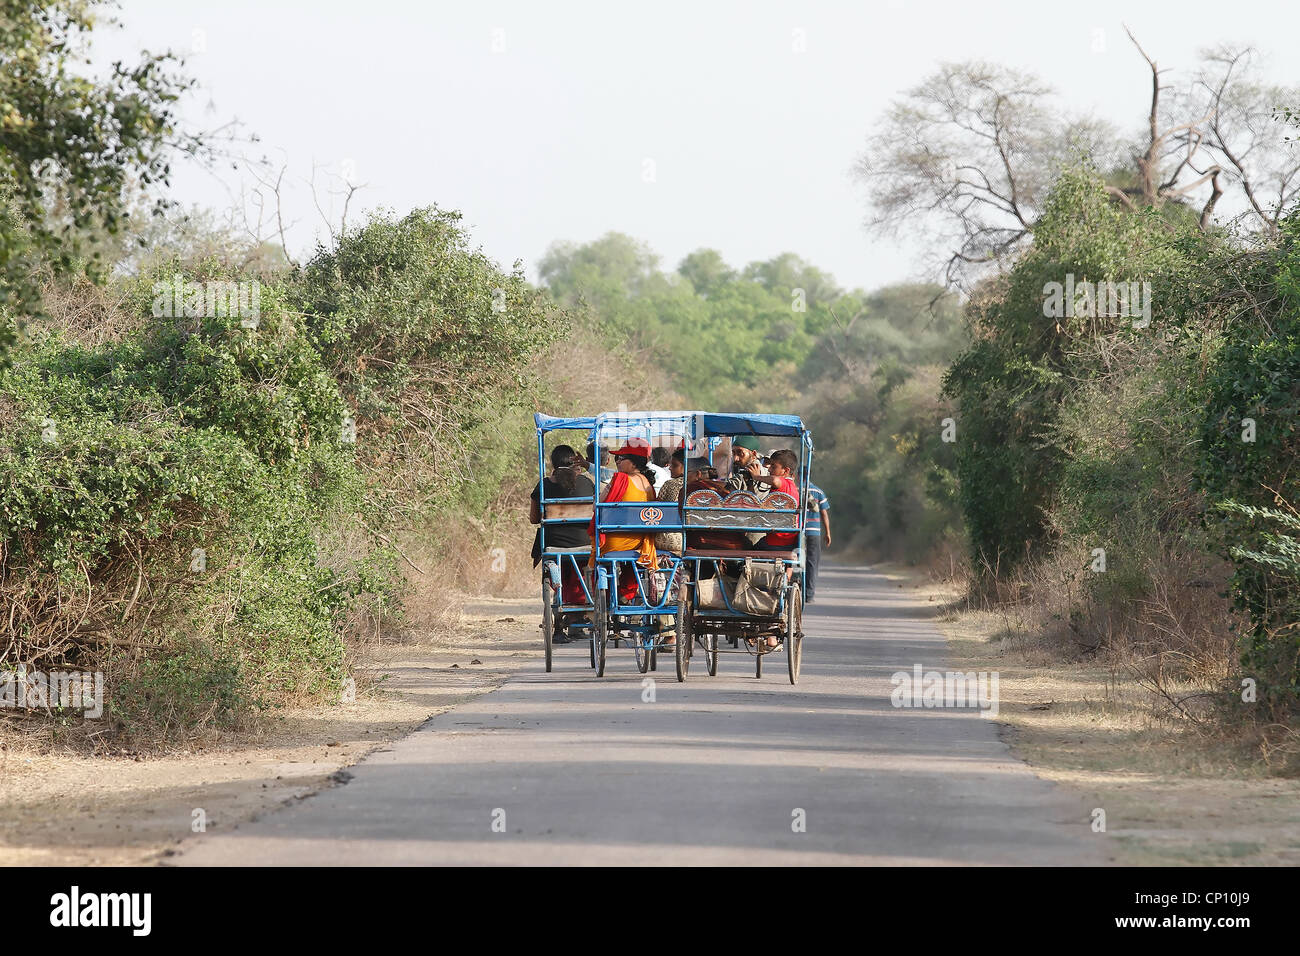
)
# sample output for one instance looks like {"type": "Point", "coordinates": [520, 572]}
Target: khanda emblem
{"type": "Point", "coordinates": [652, 515]}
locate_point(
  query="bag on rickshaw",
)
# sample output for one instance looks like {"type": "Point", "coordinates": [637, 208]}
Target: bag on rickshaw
{"type": "Point", "coordinates": [758, 590]}
{"type": "Point", "coordinates": [712, 593]}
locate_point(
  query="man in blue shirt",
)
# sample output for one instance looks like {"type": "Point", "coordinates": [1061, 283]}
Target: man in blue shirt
{"type": "Point", "coordinates": [817, 524]}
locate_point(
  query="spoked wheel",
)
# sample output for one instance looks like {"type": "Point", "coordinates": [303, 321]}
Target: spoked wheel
{"type": "Point", "coordinates": [794, 632]}
{"type": "Point", "coordinates": [643, 651]}
{"type": "Point", "coordinates": [599, 632]}
{"type": "Point", "coordinates": [685, 632]}
{"type": "Point", "coordinates": [759, 648]}
{"type": "Point", "coordinates": [548, 616]}
{"type": "Point", "coordinates": [711, 654]}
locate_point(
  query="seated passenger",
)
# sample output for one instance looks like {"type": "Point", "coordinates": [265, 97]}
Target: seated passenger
{"type": "Point", "coordinates": [606, 464]}
{"type": "Point", "coordinates": [566, 480]}
{"type": "Point", "coordinates": [782, 466]}
{"type": "Point", "coordinates": [700, 474]}
{"type": "Point", "coordinates": [671, 491]}
{"type": "Point", "coordinates": [631, 483]}
{"type": "Point", "coordinates": [746, 467]}
{"type": "Point", "coordinates": [660, 471]}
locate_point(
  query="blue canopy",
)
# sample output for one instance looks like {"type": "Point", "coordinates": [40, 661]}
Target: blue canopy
{"type": "Point", "coordinates": [736, 423]}
{"type": "Point", "coordinates": [685, 424]}
{"type": "Point", "coordinates": [550, 423]}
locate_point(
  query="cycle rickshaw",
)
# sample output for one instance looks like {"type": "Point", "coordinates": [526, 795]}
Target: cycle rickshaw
{"type": "Point", "coordinates": [561, 563]}
{"type": "Point", "coordinates": [736, 593]}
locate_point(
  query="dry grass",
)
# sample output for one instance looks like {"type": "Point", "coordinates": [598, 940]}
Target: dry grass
{"type": "Point", "coordinates": [82, 312]}
{"type": "Point", "coordinates": [1174, 638]}
{"type": "Point", "coordinates": [1117, 714]}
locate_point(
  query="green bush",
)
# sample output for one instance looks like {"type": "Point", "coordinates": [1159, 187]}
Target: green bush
{"type": "Point", "coordinates": [189, 687]}
{"type": "Point", "coordinates": [1252, 477]}
{"type": "Point", "coordinates": [208, 490]}
{"type": "Point", "coordinates": [200, 460]}
{"type": "Point", "coordinates": [428, 340]}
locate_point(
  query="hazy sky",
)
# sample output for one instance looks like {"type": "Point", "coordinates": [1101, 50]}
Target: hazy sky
{"type": "Point", "coordinates": [543, 121]}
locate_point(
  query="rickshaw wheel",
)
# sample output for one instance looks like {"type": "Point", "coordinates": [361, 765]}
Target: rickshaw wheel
{"type": "Point", "coordinates": [548, 616]}
{"type": "Point", "coordinates": [711, 654]}
{"type": "Point", "coordinates": [599, 632]}
{"type": "Point", "coordinates": [642, 653]}
{"type": "Point", "coordinates": [685, 633]}
{"type": "Point", "coordinates": [758, 656]}
{"type": "Point", "coordinates": [794, 632]}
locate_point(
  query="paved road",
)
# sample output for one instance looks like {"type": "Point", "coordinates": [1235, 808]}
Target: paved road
{"type": "Point", "coordinates": [575, 770]}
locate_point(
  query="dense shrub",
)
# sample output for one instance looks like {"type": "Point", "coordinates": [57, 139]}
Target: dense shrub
{"type": "Point", "coordinates": [1010, 386]}
{"type": "Point", "coordinates": [1251, 469]}
{"type": "Point", "coordinates": [1088, 432]}
{"type": "Point", "coordinates": [165, 493]}
{"type": "Point", "coordinates": [428, 340]}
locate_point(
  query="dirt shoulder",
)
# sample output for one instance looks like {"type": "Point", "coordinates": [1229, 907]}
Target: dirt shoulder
{"type": "Point", "coordinates": [1172, 795]}
{"type": "Point", "coordinates": [66, 808]}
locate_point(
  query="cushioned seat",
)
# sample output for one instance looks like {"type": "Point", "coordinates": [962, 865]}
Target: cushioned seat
{"type": "Point", "coordinates": [633, 555]}
{"type": "Point", "coordinates": [741, 555]}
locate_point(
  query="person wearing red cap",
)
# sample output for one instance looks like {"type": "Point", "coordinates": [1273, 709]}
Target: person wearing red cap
{"type": "Point", "coordinates": [631, 483]}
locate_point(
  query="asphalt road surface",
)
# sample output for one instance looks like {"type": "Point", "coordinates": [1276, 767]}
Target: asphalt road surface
{"type": "Point", "coordinates": [565, 768]}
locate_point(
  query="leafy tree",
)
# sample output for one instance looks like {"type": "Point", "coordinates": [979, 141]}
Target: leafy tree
{"type": "Point", "coordinates": [863, 369]}
{"type": "Point", "coordinates": [706, 271]}
{"type": "Point", "coordinates": [70, 143]}
{"type": "Point", "coordinates": [1010, 384]}
{"type": "Point", "coordinates": [424, 334]}
{"type": "Point", "coordinates": [869, 390]}
{"type": "Point", "coordinates": [787, 272]}
{"type": "Point", "coordinates": [972, 152]}
{"type": "Point", "coordinates": [606, 271]}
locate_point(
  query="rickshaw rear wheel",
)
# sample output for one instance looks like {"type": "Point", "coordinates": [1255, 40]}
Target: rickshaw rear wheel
{"type": "Point", "coordinates": [548, 616]}
{"type": "Point", "coordinates": [599, 631]}
{"type": "Point", "coordinates": [685, 633]}
{"type": "Point", "coordinates": [794, 632]}
{"type": "Point", "coordinates": [711, 654]}
{"type": "Point", "coordinates": [642, 653]}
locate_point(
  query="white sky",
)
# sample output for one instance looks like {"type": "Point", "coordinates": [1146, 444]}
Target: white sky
{"type": "Point", "coordinates": [548, 139]}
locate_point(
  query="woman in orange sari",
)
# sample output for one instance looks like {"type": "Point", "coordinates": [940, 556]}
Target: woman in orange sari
{"type": "Point", "coordinates": [631, 483]}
